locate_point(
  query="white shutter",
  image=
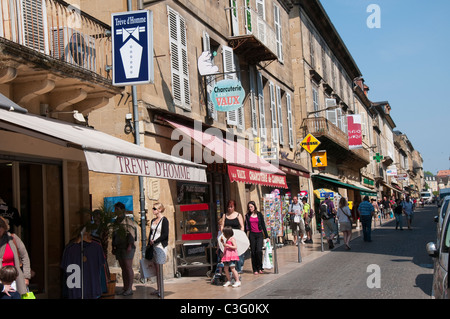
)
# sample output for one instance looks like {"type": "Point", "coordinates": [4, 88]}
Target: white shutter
{"type": "Point", "coordinates": [230, 66]}
{"type": "Point", "coordinates": [179, 60]}
{"type": "Point", "coordinates": [210, 79]}
{"type": "Point", "coordinates": [278, 34]}
{"type": "Point", "coordinates": [280, 115]}
{"type": "Point", "coordinates": [273, 112]}
{"type": "Point", "coordinates": [33, 25]}
{"type": "Point", "coordinates": [332, 116]}
{"type": "Point", "coordinates": [254, 119]}
{"type": "Point", "coordinates": [339, 119]}
{"type": "Point", "coordinates": [363, 124]}
{"type": "Point", "coordinates": [290, 127]}
{"type": "Point", "coordinates": [262, 110]}
{"type": "Point", "coordinates": [261, 9]}
{"type": "Point", "coordinates": [234, 17]}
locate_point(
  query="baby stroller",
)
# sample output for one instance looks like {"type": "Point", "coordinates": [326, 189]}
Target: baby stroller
{"type": "Point", "coordinates": [219, 277]}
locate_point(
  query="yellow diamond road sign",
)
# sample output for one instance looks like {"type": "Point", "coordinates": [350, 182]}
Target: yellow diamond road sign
{"type": "Point", "coordinates": [310, 143]}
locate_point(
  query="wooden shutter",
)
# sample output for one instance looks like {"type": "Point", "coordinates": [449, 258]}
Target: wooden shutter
{"type": "Point", "coordinates": [210, 80]}
{"type": "Point", "coordinates": [179, 60]}
{"type": "Point", "coordinates": [234, 17]}
{"type": "Point", "coordinates": [273, 112]}
{"type": "Point", "coordinates": [33, 25]}
{"type": "Point", "coordinates": [280, 115]}
{"type": "Point", "coordinates": [262, 110]}
{"type": "Point", "coordinates": [230, 66]}
{"type": "Point", "coordinates": [278, 34]}
{"type": "Point", "coordinates": [290, 126]}
{"type": "Point", "coordinates": [252, 95]}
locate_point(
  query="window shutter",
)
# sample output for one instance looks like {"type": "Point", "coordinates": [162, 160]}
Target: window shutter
{"type": "Point", "coordinates": [234, 18]}
{"type": "Point", "coordinates": [179, 60]}
{"type": "Point", "coordinates": [278, 34]}
{"type": "Point", "coordinates": [230, 66]}
{"type": "Point", "coordinates": [254, 119]}
{"type": "Point", "coordinates": [33, 33]}
{"type": "Point", "coordinates": [280, 115]}
{"type": "Point", "coordinates": [262, 110]}
{"type": "Point", "coordinates": [210, 80]}
{"type": "Point", "coordinates": [332, 117]}
{"type": "Point", "coordinates": [273, 111]}
{"type": "Point", "coordinates": [290, 127]}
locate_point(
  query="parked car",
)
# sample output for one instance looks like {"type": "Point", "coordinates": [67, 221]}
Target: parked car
{"type": "Point", "coordinates": [442, 211]}
{"type": "Point", "coordinates": [440, 252]}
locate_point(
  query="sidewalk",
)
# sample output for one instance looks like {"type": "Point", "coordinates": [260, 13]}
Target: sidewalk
{"type": "Point", "coordinates": [201, 288]}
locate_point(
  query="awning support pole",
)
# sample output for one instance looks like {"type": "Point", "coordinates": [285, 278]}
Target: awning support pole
{"type": "Point", "coordinates": [138, 142]}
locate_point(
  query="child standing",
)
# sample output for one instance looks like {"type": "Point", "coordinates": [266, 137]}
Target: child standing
{"type": "Point", "coordinates": [230, 256]}
{"type": "Point", "coordinates": [8, 275]}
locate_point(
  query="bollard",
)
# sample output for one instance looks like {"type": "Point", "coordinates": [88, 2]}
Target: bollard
{"type": "Point", "coordinates": [274, 252]}
{"type": "Point", "coordinates": [299, 248]}
{"type": "Point", "coordinates": [321, 234]}
{"type": "Point", "coordinates": [161, 281]}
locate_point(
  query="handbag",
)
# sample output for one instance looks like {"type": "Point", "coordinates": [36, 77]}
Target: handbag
{"type": "Point", "coordinates": [149, 248]}
{"type": "Point", "coordinates": [147, 268]}
{"type": "Point", "coordinates": [149, 252]}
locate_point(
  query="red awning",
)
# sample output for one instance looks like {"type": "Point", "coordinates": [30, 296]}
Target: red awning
{"type": "Point", "coordinates": [235, 154]}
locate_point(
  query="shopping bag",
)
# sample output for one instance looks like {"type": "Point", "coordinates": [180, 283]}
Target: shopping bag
{"type": "Point", "coordinates": [267, 260]}
{"type": "Point", "coordinates": [28, 295]}
{"type": "Point", "coordinates": [147, 268]}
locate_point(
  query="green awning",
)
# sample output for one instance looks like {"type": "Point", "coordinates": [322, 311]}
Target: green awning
{"type": "Point", "coordinates": [363, 191]}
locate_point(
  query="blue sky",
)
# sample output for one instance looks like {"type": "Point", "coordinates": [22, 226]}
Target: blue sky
{"type": "Point", "coordinates": [405, 61]}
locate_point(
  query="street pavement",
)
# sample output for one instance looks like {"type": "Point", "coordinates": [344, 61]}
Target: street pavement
{"type": "Point", "coordinates": [395, 261]}
{"type": "Point", "coordinates": [394, 265]}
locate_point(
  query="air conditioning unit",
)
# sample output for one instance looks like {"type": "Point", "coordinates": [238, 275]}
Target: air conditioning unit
{"type": "Point", "coordinates": [74, 47]}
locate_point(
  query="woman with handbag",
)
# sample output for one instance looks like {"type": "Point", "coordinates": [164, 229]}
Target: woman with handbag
{"type": "Point", "coordinates": [344, 216]}
{"type": "Point", "coordinates": [158, 240]}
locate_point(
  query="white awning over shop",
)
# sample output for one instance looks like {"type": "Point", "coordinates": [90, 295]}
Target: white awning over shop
{"type": "Point", "coordinates": [104, 153]}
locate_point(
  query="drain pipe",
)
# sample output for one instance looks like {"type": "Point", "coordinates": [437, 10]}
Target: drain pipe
{"type": "Point", "coordinates": [137, 140]}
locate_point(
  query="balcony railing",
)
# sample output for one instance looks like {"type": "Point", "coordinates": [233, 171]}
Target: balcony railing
{"type": "Point", "coordinates": [321, 127]}
{"type": "Point", "coordinates": [58, 30]}
{"type": "Point", "coordinates": [252, 35]}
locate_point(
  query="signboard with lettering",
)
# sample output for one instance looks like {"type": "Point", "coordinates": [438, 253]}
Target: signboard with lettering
{"type": "Point", "coordinates": [310, 143]}
{"type": "Point", "coordinates": [132, 47]}
{"type": "Point", "coordinates": [319, 159]}
{"type": "Point", "coordinates": [354, 131]}
{"type": "Point", "coordinates": [227, 95]}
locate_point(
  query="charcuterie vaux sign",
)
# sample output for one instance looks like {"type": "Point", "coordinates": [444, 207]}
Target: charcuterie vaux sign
{"type": "Point", "coordinates": [227, 95]}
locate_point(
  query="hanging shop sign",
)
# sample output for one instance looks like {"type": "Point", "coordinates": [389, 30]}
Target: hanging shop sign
{"type": "Point", "coordinates": [354, 131]}
{"type": "Point", "coordinates": [310, 143]}
{"type": "Point", "coordinates": [319, 159]}
{"type": "Point", "coordinates": [227, 95]}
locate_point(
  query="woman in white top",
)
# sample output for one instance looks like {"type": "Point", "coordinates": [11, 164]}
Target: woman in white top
{"type": "Point", "coordinates": [159, 238]}
{"type": "Point", "coordinates": [345, 224]}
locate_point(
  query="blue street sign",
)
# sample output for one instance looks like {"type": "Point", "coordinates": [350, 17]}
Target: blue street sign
{"type": "Point", "coordinates": [132, 47]}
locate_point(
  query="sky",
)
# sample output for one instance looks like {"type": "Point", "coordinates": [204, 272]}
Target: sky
{"type": "Point", "coordinates": [402, 48]}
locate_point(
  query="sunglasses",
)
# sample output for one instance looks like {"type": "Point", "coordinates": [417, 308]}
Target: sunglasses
{"type": "Point", "coordinates": [154, 208]}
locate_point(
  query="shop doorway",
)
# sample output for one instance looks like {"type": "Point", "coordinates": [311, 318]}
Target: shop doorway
{"type": "Point", "coordinates": [35, 189]}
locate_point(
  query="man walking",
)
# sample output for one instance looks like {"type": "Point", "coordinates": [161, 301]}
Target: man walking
{"type": "Point", "coordinates": [408, 209]}
{"type": "Point", "coordinates": [328, 215]}
{"type": "Point", "coordinates": [366, 211]}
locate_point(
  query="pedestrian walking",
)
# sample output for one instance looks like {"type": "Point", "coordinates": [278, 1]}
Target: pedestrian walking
{"type": "Point", "coordinates": [234, 219]}
{"type": "Point", "coordinates": [297, 223]}
{"type": "Point", "coordinates": [230, 256]}
{"type": "Point", "coordinates": [328, 216]}
{"type": "Point", "coordinates": [257, 232]}
{"type": "Point", "coordinates": [366, 212]}
{"type": "Point", "coordinates": [307, 217]}
{"type": "Point", "coordinates": [345, 221]}
{"type": "Point", "coordinates": [398, 211]}
{"type": "Point", "coordinates": [408, 209]}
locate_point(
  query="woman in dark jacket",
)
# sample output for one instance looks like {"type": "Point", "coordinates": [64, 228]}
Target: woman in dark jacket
{"type": "Point", "coordinates": [255, 225]}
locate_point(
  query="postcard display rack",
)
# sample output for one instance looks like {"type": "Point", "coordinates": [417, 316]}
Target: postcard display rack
{"type": "Point", "coordinates": [275, 209]}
